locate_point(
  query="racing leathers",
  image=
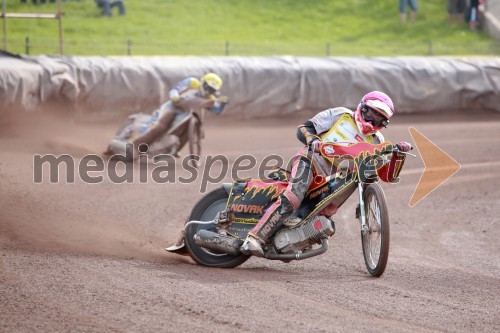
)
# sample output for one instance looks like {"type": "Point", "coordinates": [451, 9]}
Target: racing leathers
{"type": "Point", "coordinates": [336, 125]}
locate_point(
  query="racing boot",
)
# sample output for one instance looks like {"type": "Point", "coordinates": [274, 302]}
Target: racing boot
{"type": "Point", "coordinates": [267, 227]}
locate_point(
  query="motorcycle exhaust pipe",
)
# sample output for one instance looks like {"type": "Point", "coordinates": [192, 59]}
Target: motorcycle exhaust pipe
{"type": "Point", "coordinates": [214, 241]}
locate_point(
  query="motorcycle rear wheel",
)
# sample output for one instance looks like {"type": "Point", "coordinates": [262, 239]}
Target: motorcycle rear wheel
{"type": "Point", "coordinates": [376, 239]}
{"type": "Point", "coordinates": [205, 210]}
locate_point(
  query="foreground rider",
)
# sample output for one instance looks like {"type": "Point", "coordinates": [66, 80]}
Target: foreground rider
{"type": "Point", "coordinates": [188, 94]}
{"type": "Point", "coordinates": [337, 125]}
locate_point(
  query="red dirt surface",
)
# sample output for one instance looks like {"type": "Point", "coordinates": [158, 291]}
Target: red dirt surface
{"type": "Point", "coordinates": [88, 257]}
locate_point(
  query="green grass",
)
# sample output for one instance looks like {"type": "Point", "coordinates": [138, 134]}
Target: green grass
{"type": "Point", "coordinates": [245, 27]}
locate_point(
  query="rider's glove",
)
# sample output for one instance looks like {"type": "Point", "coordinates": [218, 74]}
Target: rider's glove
{"type": "Point", "coordinates": [223, 99]}
{"type": "Point", "coordinates": [404, 146]}
{"type": "Point", "coordinates": [316, 146]}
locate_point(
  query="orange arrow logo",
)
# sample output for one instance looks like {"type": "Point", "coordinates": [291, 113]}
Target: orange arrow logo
{"type": "Point", "coordinates": [439, 166]}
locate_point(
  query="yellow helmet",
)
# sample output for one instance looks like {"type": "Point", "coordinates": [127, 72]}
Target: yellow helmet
{"type": "Point", "coordinates": [211, 83]}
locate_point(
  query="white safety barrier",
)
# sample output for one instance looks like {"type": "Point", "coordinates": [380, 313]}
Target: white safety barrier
{"type": "Point", "coordinates": [256, 86]}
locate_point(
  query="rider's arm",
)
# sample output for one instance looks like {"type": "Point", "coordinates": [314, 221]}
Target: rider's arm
{"type": "Point", "coordinates": [306, 133]}
{"type": "Point", "coordinates": [325, 120]}
{"type": "Point", "coordinates": [176, 92]}
{"type": "Point", "coordinates": [320, 123]}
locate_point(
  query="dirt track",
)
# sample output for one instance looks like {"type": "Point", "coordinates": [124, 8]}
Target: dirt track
{"type": "Point", "coordinates": [87, 257]}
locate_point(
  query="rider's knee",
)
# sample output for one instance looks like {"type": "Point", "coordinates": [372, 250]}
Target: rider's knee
{"type": "Point", "coordinates": [287, 205]}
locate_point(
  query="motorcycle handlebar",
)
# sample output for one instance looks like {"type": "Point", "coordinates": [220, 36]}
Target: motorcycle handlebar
{"type": "Point", "coordinates": [397, 150]}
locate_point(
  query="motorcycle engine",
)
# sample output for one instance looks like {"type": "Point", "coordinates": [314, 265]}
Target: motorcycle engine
{"type": "Point", "coordinates": [311, 232]}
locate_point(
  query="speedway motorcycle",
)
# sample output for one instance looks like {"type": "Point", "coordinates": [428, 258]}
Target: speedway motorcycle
{"type": "Point", "coordinates": [185, 128]}
{"type": "Point", "coordinates": [215, 242]}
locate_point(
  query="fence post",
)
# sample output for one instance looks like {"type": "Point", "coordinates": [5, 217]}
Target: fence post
{"type": "Point", "coordinates": [27, 45]}
{"type": "Point", "coordinates": [4, 25]}
{"type": "Point", "coordinates": [328, 49]}
{"type": "Point", "coordinates": [431, 51]}
{"type": "Point", "coordinates": [226, 48]}
{"type": "Point", "coordinates": [129, 47]}
{"type": "Point", "coordinates": [59, 19]}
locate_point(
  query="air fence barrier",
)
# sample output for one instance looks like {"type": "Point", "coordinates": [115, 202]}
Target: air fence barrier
{"type": "Point", "coordinates": [256, 86]}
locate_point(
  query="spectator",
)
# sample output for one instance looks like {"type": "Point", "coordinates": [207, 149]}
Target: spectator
{"type": "Point", "coordinates": [473, 17]}
{"type": "Point", "coordinates": [41, 1]}
{"type": "Point", "coordinates": [413, 4]}
{"type": "Point", "coordinates": [107, 5]}
{"type": "Point", "coordinates": [456, 9]}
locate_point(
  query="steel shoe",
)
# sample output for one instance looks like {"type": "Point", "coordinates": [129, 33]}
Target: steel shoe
{"type": "Point", "coordinates": [252, 246]}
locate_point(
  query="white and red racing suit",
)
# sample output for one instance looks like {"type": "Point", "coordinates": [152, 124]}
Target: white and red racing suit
{"type": "Point", "coordinates": [336, 125]}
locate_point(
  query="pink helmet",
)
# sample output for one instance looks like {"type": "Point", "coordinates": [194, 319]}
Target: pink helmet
{"type": "Point", "coordinates": [381, 105]}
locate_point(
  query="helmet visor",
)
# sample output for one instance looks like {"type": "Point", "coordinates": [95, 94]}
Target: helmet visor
{"type": "Point", "coordinates": [209, 90]}
{"type": "Point", "coordinates": [374, 117]}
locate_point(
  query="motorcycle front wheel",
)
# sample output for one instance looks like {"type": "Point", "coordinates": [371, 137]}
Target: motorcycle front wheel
{"type": "Point", "coordinates": [205, 210]}
{"type": "Point", "coordinates": [375, 239]}
{"type": "Point", "coordinates": [194, 133]}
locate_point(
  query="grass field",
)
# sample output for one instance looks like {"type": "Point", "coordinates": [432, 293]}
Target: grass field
{"type": "Point", "coordinates": [244, 27]}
